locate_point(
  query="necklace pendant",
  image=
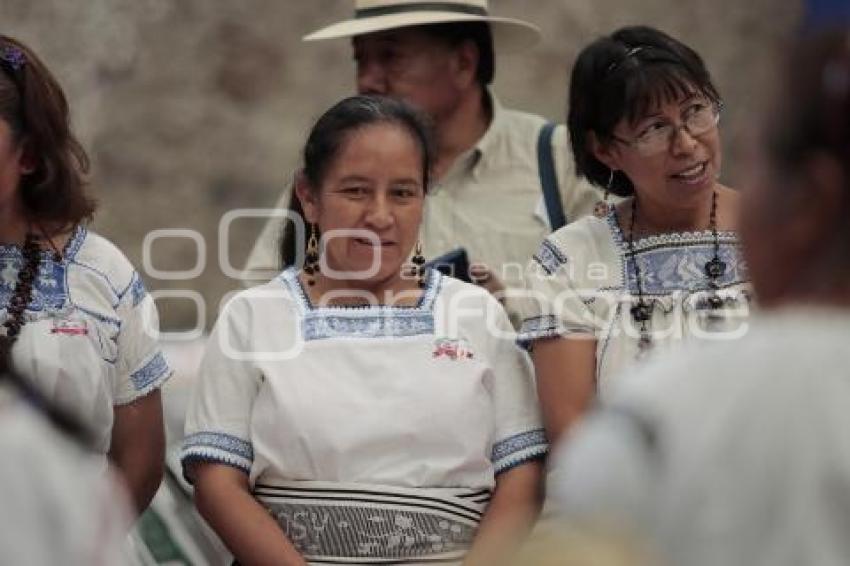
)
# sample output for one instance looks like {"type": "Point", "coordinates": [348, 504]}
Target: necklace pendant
{"type": "Point", "coordinates": [715, 268]}
{"type": "Point", "coordinates": [641, 312]}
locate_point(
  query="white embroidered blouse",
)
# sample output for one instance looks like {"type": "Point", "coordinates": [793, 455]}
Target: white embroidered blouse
{"type": "Point", "coordinates": [582, 281]}
{"type": "Point", "coordinates": [436, 395]}
{"type": "Point", "coordinates": [90, 338]}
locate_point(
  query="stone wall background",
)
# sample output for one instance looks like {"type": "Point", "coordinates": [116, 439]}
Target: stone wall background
{"type": "Point", "coordinates": [191, 108]}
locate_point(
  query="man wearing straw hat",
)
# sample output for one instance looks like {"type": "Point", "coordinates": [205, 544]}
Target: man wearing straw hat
{"type": "Point", "coordinates": [504, 179]}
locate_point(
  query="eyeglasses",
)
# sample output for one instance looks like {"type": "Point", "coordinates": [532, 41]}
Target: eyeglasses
{"type": "Point", "coordinates": [699, 118]}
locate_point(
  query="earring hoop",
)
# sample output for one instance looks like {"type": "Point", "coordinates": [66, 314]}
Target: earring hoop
{"type": "Point", "coordinates": [602, 207]}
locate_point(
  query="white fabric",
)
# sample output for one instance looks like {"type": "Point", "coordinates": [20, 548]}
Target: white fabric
{"type": "Point", "coordinates": [400, 396]}
{"type": "Point", "coordinates": [58, 505]}
{"type": "Point", "coordinates": [582, 281]}
{"type": "Point", "coordinates": [733, 453]}
{"type": "Point", "coordinates": [488, 202]}
{"type": "Point", "coordinates": [90, 340]}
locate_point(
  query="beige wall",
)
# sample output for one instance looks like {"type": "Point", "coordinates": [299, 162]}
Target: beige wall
{"type": "Point", "coordinates": [191, 108]}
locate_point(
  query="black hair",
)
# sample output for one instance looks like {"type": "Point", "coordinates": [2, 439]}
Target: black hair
{"type": "Point", "coordinates": [327, 137]}
{"type": "Point", "coordinates": [478, 33]}
{"type": "Point", "coordinates": [625, 75]}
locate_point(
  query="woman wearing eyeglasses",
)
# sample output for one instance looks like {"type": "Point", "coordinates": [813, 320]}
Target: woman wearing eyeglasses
{"type": "Point", "coordinates": [662, 265]}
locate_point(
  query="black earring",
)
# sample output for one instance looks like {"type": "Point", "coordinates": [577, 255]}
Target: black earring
{"type": "Point", "coordinates": [418, 261]}
{"type": "Point", "coordinates": [311, 257]}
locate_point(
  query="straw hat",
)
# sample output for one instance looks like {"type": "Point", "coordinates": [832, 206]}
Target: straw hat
{"type": "Point", "coordinates": [380, 15]}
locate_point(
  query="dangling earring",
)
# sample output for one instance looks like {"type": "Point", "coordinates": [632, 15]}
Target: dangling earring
{"type": "Point", "coordinates": [601, 209]}
{"type": "Point", "coordinates": [311, 257]}
{"type": "Point", "coordinates": [418, 261]}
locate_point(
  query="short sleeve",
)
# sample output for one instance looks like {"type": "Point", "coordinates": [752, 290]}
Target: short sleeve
{"type": "Point", "coordinates": [218, 421]}
{"type": "Point", "coordinates": [141, 365]}
{"type": "Point", "coordinates": [518, 435]}
{"type": "Point", "coordinates": [553, 303]}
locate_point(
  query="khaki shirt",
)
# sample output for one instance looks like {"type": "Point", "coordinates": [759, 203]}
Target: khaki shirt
{"type": "Point", "coordinates": [490, 202]}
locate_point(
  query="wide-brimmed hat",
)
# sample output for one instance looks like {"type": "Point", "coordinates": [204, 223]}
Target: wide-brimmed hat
{"type": "Point", "coordinates": [372, 16]}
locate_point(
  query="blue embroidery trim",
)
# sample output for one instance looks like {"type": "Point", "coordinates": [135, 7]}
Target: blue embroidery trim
{"type": "Point", "coordinates": [668, 269]}
{"type": "Point", "coordinates": [675, 262]}
{"type": "Point", "coordinates": [150, 373]}
{"type": "Point", "coordinates": [217, 447]}
{"type": "Point", "coordinates": [386, 322]}
{"type": "Point", "coordinates": [536, 328]}
{"type": "Point", "coordinates": [50, 289]}
{"type": "Point", "coordinates": [519, 449]}
{"type": "Point", "coordinates": [365, 322]}
{"type": "Point", "coordinates": [549, 257]}
{"type": "Point", "coordinates": [137, 289]}
{"type": "Point", "coordinates": [518, 442]}
{"type": "Point", "coordinates": [75, 243]}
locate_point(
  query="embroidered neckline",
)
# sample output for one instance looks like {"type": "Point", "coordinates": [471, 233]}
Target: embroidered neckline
{"type": "Point", "coordinates": [50, 288]}
{"type": "Point", "coordinates": [364, 322]}
{"type": "Point", "coordinates": [69, 251]}
{"type": "Point", "coordinates": [645, 243]}
{"type": "Point", "coordinates": [433, 280]}
{"type": "Point", "coordinates": [648, 247]}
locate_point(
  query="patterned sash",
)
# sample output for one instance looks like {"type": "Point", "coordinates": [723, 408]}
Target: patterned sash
{"type": "Point", "coordinates": [336, 523]}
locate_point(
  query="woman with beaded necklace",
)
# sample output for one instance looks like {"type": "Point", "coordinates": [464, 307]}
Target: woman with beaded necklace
{"type": "Point", "coordinates": [663, 264]}
{"type": "Point", "coordinates": [74, 316]}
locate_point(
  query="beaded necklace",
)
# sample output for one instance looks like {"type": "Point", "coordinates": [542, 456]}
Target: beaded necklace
{"type": "Point", "coordinates": [23, 294]}
{"type": "Point", "coordinates": [714, 269]}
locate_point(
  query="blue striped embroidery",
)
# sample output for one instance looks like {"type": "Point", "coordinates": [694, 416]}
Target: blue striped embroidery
{"type": "Point", "coordinates": [137, 289]}
{"type": "Point", "coordinates": [365, 322]}
{"type": "Point", "coordinates": [217, 447]}
{"type": "Point", "coordinates": [150, 373]}
{"type": "Point", "coordinates": [518, 449]}
{"type": "Point", "coordinates": [549, 257]}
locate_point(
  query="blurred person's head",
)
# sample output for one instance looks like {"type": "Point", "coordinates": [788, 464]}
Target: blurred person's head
{"type": "Point", "coordinates": [433, 67]}
{"type": "Point", "coordinates": [643, 114]}
{"type": "Point", "coordinates": [42, 165]}
{"type": "Point", "coordinates": [432, 55]}
{"type": "Point", "coordinates": [795, 217]}
{"type": "Point", "coordinates": [367, 164]}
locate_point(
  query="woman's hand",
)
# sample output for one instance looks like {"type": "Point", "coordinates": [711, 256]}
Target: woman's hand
{"type": "Point", "coordinates": [137, 447]}
{"type": "Point", "coordinates": [511, 514]}
{"type": "Point", "coordinates": [223, 497]}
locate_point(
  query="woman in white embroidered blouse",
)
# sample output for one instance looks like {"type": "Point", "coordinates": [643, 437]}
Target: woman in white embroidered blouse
{"type": "Point", "coordinates": [352, 411]}
{"type": "Point", "coordinates": [659, 266]}
{"type": "Point", "coordinates": [75, 316]}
